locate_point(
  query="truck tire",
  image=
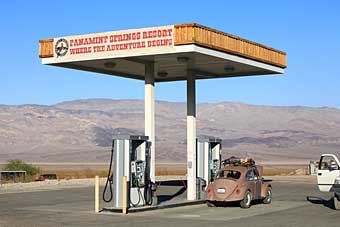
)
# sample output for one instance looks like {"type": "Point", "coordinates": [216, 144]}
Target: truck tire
{"type": "Point", "coordinates": [246, 202]}
{"type": "Point", "coordinates": [336, 203]}
{"type": "Point", "coordinates": [268, 198]}
{"type": "Point", "coordinates": [211, 204]}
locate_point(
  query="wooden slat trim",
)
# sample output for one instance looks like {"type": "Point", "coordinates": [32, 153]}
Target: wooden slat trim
{"type": "Point", "coordinates": [46, 48]}
{"type": "Point", "coordinates": [207, 37]}
{"type": "Point", "coordinates": [195, 25]}
{"type": "Point", "coordinates": [214, 39]}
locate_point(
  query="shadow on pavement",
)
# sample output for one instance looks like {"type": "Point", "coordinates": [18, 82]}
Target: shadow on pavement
{"type": "Point", "coordinates": [172, 183]}
{"type": "Point", "coordinates": [321, 201]}
{"type": "Point", "coordinates": [237, 203]}
{"type": "Point", "coordinates": [164, 198]}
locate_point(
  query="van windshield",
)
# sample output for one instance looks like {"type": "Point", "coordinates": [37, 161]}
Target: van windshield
{"type": "Point", "coordinates": [231, 174]}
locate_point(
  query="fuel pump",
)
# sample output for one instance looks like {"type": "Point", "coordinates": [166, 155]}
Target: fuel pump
{"type": "Point", "coordinates": [208, 158]}
{"type": "Point", "coordinates": [130, 157]}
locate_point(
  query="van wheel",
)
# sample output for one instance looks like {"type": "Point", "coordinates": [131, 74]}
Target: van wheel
{"type": "Point", "coordinates": [211, 204]}
{"type": "Point", "coordinates": [336, 203]}
{"type": "Point", "coordinates": [246, 202]}
{"type": "Point", "coordinates": [268, 198]}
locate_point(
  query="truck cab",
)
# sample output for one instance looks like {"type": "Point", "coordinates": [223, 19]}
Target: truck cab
{"type": "Point", "coordinates": [329, 176]}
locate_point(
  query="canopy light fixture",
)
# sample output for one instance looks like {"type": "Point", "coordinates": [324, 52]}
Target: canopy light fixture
{"type": "Point", "coordinates": [110, 65]}
{"type": "Point", "coordinates": [182, 59]}
{"type": "Point", "coordinates": [162, 74]}
{"type": "Point", "coordinates": [229, 69]}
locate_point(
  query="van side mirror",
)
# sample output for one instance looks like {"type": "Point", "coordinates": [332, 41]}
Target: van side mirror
{"type": "Point", "coordinates": [331, 168]}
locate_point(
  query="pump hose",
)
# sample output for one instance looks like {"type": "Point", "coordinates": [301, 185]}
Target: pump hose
{"type": "Point", "coordinates": [148, 193]}
{"type": "Point", "coordinates": [109, 179]}
{"type": "Point", "coordinates": [136, 204]}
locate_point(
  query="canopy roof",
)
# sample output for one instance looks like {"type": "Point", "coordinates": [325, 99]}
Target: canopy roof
{"type": "Point", "coordinates": [172, 49]}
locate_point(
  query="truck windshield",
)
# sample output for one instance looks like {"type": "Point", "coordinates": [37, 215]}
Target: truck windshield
{"type": "Point", "coordinates": [231, 174]}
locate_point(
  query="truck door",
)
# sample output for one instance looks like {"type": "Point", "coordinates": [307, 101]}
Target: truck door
{"type": "Point", "coordinates": [327, 172]}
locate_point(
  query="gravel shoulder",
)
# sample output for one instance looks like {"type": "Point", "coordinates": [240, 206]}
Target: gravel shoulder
{"type": "Point", "coordinates": [47, 185]}
{"type": "Point", "coordinates": [80, 183]}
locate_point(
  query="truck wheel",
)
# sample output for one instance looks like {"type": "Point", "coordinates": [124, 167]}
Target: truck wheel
{"type": "Point", "coordinates": [268, 198]}
{"type": "Point", "coordinates": [211, 204]}
{"type": "Point", "coordinates": [246, 202]}
{"type": "Point", "coordinates": [336, 203]}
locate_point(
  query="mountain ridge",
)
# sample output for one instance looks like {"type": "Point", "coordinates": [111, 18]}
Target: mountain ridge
{"type": "Point", "coordinates": [81, 130]}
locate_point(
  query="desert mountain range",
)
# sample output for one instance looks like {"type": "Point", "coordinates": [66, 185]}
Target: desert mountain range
{"type": "Point", "coordinates": [81, 130]}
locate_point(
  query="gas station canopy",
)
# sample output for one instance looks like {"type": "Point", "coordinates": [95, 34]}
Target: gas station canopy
{"type": "Point", "coordinates": [213, 54]}
{"type": "Point", "coordinates": [168, 53]}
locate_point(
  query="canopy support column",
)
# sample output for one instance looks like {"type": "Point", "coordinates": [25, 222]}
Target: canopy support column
{"type": "Point", "coordinates": [149, 111]}
{"type": "Point", "coordinates": [191, 135]}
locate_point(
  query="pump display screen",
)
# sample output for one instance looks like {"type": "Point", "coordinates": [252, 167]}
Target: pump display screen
{"type": "Point", "coordinates": [137, 173]}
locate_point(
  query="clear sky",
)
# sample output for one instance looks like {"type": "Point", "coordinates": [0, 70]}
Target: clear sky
{"type": "Point", "coordinates": [309, 31]}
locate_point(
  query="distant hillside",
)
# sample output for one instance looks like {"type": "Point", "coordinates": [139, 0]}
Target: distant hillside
{"type": "Point", "coordinates": [81, 130]}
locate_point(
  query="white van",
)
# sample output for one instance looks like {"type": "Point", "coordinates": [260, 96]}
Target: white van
{"type": "Point", "coordinates": [329, 176]}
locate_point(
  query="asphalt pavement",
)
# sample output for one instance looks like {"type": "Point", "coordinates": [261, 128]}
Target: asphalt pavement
{"type": "Point", "coordinates": [294, 204]}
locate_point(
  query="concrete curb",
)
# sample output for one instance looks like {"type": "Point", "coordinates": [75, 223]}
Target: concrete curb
{"type": "Point", "coordinates": [150, 208]}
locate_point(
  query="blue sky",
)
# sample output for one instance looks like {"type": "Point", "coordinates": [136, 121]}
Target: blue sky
{"type": "Point", "coordinates": [307, 30]}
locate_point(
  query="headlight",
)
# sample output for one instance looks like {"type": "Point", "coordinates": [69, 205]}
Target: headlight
{"type": "Point", "coordinates": [337, 180]}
